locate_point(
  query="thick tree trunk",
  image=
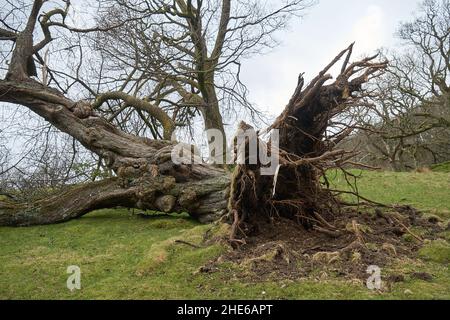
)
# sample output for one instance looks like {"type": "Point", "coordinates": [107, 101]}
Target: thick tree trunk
{"type": "Point", "coordinates": [206, 199]}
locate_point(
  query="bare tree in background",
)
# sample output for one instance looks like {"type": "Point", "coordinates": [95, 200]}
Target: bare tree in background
{"type": "Point", "coordinates": [408, 125]}
{"type": "Point", "coordinates": [423, 74]}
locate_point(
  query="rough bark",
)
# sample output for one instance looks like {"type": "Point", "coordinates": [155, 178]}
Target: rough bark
{"type": "Point", "coordinates": [205, 200]}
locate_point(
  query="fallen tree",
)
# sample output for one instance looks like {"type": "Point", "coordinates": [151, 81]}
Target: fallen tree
{"type": "Point", "coordinates": [147, 177]}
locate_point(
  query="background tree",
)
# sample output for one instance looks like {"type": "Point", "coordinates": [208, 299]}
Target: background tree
{"type": "Point", "coordinates": [408, 123]}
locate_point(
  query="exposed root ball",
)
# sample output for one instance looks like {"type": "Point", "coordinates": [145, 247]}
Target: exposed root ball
{"type": "Point", "coordinates": [282, 249]}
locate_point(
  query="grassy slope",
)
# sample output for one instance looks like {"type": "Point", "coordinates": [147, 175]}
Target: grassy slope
{"type": "Point", "coordinates": [123, 256]}
{"type": "Point", "coordinates": [428, 191]}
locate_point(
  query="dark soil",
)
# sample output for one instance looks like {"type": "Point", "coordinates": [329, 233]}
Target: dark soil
{"type": "Point", "coordinates": [283, 249]}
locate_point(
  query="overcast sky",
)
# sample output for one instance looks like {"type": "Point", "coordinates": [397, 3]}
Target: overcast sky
{"type": "Point", "coordinates": [316, 39]}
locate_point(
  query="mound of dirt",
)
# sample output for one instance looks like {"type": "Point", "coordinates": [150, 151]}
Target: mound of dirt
{"type": "Point", "coordinates": [354, 240]}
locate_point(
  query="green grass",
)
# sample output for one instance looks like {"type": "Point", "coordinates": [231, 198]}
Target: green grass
{"type": "Point", "coordinates": [122, 256]}
{"type": "Point", "coordinates": [429, 192]}
{"type": "Point", "coordinates": [441, 167]}
{"type": "Point", "coordinates": [437, 251]}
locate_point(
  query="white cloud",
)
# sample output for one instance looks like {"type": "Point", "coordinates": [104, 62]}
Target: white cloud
{"type": "Point", "coordinates": [369, 31]}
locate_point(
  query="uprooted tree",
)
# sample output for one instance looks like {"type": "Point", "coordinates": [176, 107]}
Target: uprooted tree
{"type": "Point", "coordinates": [310, 127]}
